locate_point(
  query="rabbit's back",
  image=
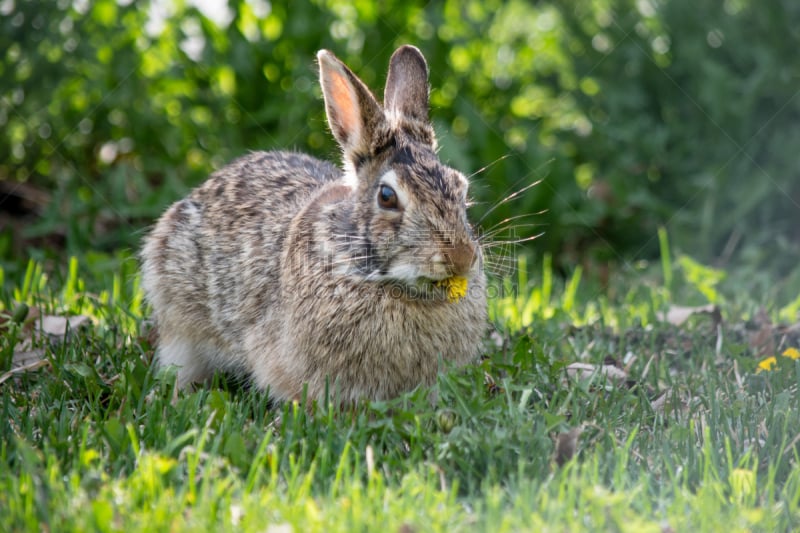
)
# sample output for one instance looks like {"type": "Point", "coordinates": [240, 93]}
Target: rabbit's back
{"type": "Point", "coordinates": [211, 264]}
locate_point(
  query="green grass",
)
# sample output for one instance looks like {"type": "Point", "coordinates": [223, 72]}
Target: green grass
{"type": "Point", "coordinates": [94, 440]}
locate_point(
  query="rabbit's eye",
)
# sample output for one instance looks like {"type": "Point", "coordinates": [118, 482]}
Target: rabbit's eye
{"type": "Point", "coordinates": [387, 198]}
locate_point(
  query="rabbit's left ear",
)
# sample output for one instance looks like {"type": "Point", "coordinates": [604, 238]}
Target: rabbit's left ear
{"type": "Point", "coordinates": [406, 92]}
{"type": "Point", "coordinates": [355, 117]}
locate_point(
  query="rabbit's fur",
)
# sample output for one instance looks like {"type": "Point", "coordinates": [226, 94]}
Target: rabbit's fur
{"type": "Point", "coordinates": [293, 273]}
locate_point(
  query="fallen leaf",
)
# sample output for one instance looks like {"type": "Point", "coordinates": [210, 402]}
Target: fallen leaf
{"type": "Point", "coordinates": [26, 357]}
{"type": "Point", "coordinates": [34, 364]}
{"type": "Point", "coordinates": [761, 337]}
{"type": "Point", "coordinates": [567, 445]}
{"type": "Point", "coordinates": [57, 326]}
{"type": "Point", "coordinates": [587, 371]}
{"type": "Point", "coordinates": [659, 403]}
{"type": "Point", "coordinates": [678, 314]}
{"type": "Point", "coordinates": [669, 399]}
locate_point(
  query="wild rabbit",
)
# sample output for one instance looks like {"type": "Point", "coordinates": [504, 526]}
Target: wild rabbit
{"type": "Point", "coordinates": [290, 272]}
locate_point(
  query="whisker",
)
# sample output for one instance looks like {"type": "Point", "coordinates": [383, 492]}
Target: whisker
{"type": "Point", "coordinates": [517, 193]}
{"type": "Point", "coordinates": [509, 219]}
{"type": "Point", "coordinates": [489, 165]}
{"type": "Point", "coordinates": [509, 198]}
{"type": "Point", "coordinates": [500, 260]}
{"type": "Point", "coordinates": [499, 231]}
{"type": "Point", "coordinates": [515, 241]}
{"type": "Point", "coordinates": [499, 254]}
{"type": "Point", "coordinates": [506, 266]}
{"type": "Point", "coordinates": [506, 263]}
{"type": "Point", "coordinates": [513, 226]}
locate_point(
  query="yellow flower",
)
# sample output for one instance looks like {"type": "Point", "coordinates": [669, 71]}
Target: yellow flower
{"type": "Point", "coordinates": [767, 364]}
{"type": "Point", "coordinates": [456, 287]}
{"type": "Point", "coordinates": [770, 362]}
{"type": "Point", "coordinates": [791, 353]}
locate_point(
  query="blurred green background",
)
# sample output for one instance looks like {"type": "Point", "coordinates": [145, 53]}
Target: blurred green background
{"type": "Point", "coordinates": [635, 114]}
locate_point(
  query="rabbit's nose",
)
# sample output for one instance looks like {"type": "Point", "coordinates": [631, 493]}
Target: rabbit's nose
{"type": "Point", "coordinates": [460, 257]}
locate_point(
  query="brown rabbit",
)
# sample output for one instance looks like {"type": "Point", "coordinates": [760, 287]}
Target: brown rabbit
{"type": "Point", "coordinates": [293, 273]}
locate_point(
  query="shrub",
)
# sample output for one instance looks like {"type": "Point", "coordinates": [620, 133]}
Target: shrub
{"type": "Point", "coordinates": [636, 114]}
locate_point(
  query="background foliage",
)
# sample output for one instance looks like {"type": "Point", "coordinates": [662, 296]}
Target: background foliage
{"type": "Point", "coordinates": [637, 113]}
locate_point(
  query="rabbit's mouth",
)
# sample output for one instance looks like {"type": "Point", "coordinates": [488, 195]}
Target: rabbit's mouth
{"type": "Point", "coordinates": [423, 289]}
{"type": "Point", "coordinates": [427, 273]}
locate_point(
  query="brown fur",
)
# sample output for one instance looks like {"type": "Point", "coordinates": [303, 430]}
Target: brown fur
{"type": "Point", "coordinates": [286, 270]}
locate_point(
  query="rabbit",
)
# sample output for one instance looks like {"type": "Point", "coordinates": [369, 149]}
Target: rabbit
{"type": "Point", "coordinates": [307, 279]}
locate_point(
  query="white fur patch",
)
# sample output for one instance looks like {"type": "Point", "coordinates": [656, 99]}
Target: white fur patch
{"type": "Point", "coordinates": [350, 177]}
{"type": "Point", "coordinates": [401, 272]}
{"type": "Point", "coordinates": [392, 117]}
{"type": "Point", "coordinates": [412, 273]}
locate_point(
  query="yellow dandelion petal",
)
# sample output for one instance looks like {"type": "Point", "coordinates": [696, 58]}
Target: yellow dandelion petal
{"type": "Point", "coordinates": [791, 353]}
{"type": "Point", "coordinates": [767, 364]}
{"type": "Point", "coordinates": [456, 287]}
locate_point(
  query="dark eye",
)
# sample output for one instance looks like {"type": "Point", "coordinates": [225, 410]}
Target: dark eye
{"type": "Point", "coordinates": [387, 198]}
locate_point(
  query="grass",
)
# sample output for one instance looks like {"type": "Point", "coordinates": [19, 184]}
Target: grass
{"type": "Point", "coordinates": [93, 440]}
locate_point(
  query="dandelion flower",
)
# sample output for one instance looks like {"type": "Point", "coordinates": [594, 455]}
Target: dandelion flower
{"type": "Point", "coordinates": [456, 287]}
{"type": "Point", "coordinates": [769, 363]}
{"type": "Point", "coordinates": [791, 353]}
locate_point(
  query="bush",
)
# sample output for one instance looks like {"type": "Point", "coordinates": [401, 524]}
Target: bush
{"type": "Point", "coordinates": [636, 114]}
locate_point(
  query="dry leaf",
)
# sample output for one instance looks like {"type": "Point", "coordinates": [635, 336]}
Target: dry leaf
{"type": "Point", "coordinates": [678, 314]}
{"type": "Point", "coordinates": [567, 445]}
{"type": "Point", "coordinates": [25, 361]}
{"type": "Point", "coordinates": [659, 403]}
{"type": "Point", "coordinates": [26, 357]}
{"type": "Point", "coordinates": [56, 326]}
{"type": "Point", "coordinates": [670, 401]}
{"type": "Point", "coordinates": [587, 371]}
{"type": "Point", "coordinates": [761, 337]}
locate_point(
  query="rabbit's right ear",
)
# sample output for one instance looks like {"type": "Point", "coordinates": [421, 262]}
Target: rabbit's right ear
{"type": "Point", "coordinates": [406, 90]}
{"type": "Point", "coordinates": [353, 113]}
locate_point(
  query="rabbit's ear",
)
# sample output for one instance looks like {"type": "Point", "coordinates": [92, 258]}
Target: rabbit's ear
{"type": "Point", "coordinates": [406, 92]}
{"type": "Point", "coordinates": [353, 113]}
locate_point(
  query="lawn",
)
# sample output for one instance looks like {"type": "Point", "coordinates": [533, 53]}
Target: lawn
{"type": "Point", "coordinates": [596, 407]}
